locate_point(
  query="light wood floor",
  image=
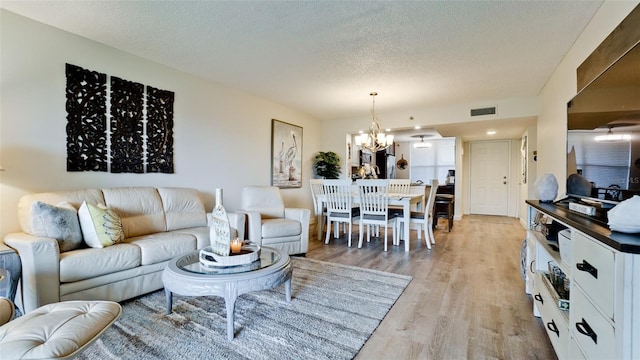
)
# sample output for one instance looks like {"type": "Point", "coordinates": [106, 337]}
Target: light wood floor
{"type": "Point", "coordinates": [466, 299]}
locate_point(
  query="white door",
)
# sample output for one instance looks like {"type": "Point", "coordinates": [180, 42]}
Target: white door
{"type": "Point", "coordinates": [489, 192]}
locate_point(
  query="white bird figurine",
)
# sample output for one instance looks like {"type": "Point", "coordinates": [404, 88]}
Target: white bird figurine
{"type": "Point", "coordinates": [290, 156]}
{"type": "Point", "coordinates": [281, 156]}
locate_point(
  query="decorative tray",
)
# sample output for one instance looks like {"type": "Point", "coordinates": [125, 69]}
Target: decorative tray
{"type": "Point", "coordinates": [248, 254]}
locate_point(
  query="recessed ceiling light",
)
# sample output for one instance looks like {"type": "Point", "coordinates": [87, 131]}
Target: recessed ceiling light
{"type": "Point", "coordinates": [417, 127]}
{"type": "Point", "coordinates": [491, 132]}
{"type": "Point", "coordinates": [387, 129]}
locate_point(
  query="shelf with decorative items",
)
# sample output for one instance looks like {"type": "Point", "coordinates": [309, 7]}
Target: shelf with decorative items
{"type": "Point", "coordinates": [549, 279]}
{"type": "Point", "coordinates": [569, 257]}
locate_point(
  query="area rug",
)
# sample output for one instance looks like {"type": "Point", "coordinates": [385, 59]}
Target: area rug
{"type": "Point", "coordinates": [333, 311]}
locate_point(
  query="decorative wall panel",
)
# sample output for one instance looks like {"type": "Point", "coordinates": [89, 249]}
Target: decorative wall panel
{"type": "Point", "coordinates": [127, 128]}
{"type": "Point", "coordinates": [86, 119]}
{"type": "Point", "coordinates": [138, 137]}
{"type": "Point", "coordinates": [159, 130]}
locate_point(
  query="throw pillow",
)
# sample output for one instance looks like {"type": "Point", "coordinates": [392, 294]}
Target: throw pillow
{"type": "Point", "coordinates": [57, 222]}
{"type": "Point", "coordinates": [101, 227]}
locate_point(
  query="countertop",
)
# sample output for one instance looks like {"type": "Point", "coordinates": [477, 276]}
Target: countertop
{"type": "Point", "coordinates": [624, 242]}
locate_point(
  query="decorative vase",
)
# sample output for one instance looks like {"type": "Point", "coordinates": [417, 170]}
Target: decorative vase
{"type": "Point", "coordinates": [546, 188]}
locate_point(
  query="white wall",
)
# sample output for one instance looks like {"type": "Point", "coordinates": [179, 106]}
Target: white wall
{"type": "Point", "coordinates": [222, 137]}
{"type": "Point", "coordinates": [526, 191]}
{"type": "Point", "coordinates": [561, 87]}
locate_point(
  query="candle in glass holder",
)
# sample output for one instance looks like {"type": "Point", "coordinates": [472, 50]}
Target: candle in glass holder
{"type": "Point", "coordinates": [236, 246]}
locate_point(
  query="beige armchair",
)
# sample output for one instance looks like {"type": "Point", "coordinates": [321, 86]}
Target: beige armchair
{"type": "Point", "coordinates": [269, 223]}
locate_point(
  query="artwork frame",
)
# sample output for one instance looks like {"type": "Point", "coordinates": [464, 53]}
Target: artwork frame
{"type": "Point", "coordinates": [524, 149]}
{"type": "Point", "coordinates": [134, 136]}
{"type": "Point", "coordinates": [286, 154]}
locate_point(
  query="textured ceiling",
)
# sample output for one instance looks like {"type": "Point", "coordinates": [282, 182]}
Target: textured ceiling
{"type": "Point", "coordinates": [324, 58]}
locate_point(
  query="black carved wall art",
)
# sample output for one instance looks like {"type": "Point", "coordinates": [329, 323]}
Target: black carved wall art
{"type": "Point", "coordinates": [127, 128]}
{"type": "Point", "coordinates": [86, 119]}
{"type": "Point", "coordinates": [159, 130]}
{"type": "Point", "coordinates": [139, 133]}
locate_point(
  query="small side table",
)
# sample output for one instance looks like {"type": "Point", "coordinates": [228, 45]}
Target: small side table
{"type": "Point", "coordinates": [10, 261]}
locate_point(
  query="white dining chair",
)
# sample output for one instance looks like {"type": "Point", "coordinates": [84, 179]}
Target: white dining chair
{"type": "Point", "coordinates": [423, 219]}
{"type": "Point", "coordinates": [317, 188]}
{"type": "Point", "coordinates": [374, 208]}
{"type": "Point", "coordinates": [399, 186]}
{"type": "Point", "coordinates": [340, 207]}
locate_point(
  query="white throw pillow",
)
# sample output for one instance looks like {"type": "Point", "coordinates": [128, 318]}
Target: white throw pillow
{"type": "Point", "coordinates": [624, 216]}
{"type": "Point", "coordinates": [101, 227]}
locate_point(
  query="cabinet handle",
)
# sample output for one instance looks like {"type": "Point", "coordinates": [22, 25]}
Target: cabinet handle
{"type": "Point", "coordinates": [539, 298]}
{"type": "Point", "coordinates": [533, 271]}
{"type": "Point", "coordinates": [552, 327]}
{"type": "Point", "coordinates": [585, 266]}
{"type": "Point", "coordinates": [584, 328]}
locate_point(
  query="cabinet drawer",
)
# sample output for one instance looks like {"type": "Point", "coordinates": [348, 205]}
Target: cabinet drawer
{"type": "Point", "coordinates": [557, 331]}
{"type": "Point", "coordinates": [593, 271]}
{"type": "Point", "coordinates": [591, 330]}
{"type": "Point", "coordinates": [574, 351]}
{"type": "Point", "coordinates": [530, 265]}
{"type": "Point", "coordinates": [554, 320]}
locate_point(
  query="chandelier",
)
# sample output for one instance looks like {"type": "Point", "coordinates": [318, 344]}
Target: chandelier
{"type": "Point", "coordinates": [376, 139]}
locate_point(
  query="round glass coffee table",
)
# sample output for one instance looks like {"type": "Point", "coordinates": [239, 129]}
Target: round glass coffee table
{"type": "Point", "coordinates": [184, 275]}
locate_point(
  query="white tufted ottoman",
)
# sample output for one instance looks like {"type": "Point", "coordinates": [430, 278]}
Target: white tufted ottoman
{"type": "Point", "coordinates": [55, 331]}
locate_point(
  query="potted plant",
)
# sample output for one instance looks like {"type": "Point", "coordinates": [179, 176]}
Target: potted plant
{"type": "Point", "coordinates": [327, 165]}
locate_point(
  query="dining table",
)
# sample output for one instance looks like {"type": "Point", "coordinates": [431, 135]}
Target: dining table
{"type": "Point", "coordinates": [395, 199]}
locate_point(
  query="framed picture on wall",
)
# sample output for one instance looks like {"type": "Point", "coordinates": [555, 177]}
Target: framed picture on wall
{"type": "Point", "coordinates": [523, 151]}
{"type": "Point", "coordinates": [286, 154]}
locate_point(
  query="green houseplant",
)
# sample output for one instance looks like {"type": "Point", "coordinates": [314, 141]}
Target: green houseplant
{"type": "Point", "coordinates": [327, 165]}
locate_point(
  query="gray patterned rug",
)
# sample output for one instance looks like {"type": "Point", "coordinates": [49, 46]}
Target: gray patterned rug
{"type": "Point", "coordinates": [333, 311]}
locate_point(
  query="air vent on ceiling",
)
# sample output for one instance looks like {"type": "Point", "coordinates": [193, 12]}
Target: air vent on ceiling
{"type": "Point", "coordinates": [483, 111]}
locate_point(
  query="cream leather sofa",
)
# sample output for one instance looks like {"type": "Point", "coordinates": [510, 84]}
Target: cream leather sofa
{"type": "Point", "coordinates": [158, 224]}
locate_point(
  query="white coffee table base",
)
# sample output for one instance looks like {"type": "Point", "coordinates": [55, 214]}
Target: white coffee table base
{"type": "Point", "coordinates": [228, 286]}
